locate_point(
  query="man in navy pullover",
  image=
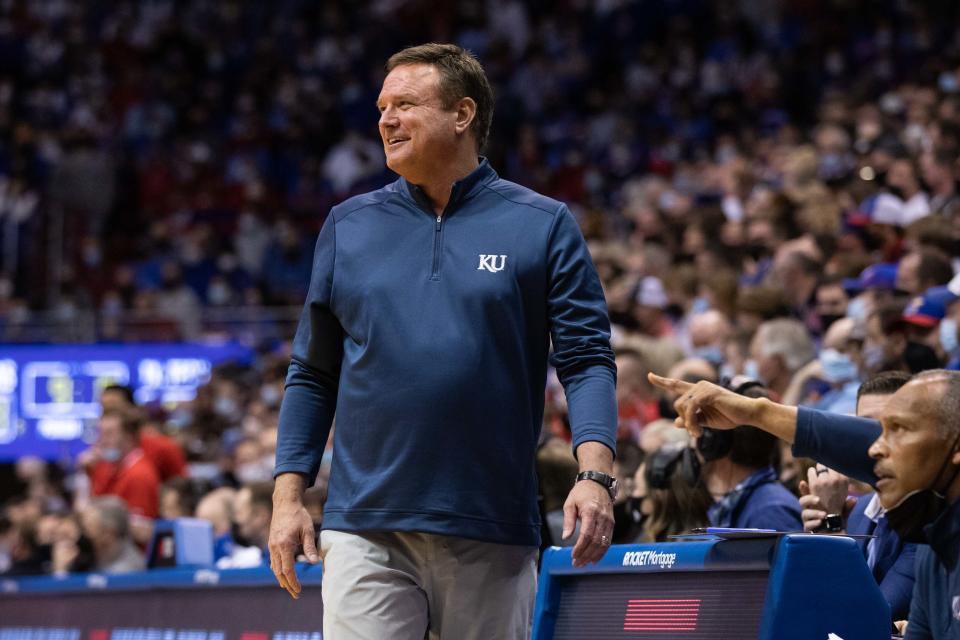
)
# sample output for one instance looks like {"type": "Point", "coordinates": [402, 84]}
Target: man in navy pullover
{"type": "Point", "coordinates": [431, 308]}
{"type": "Point", "coordinates": [911, 451]}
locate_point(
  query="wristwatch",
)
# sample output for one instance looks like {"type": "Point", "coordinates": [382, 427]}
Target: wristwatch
{"type": "Point", "coordinates": [833, 523]}
{"type": "Point", "coordinates": [609, 482]}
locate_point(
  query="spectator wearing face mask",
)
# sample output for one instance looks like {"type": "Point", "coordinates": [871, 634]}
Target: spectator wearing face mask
{"type": "Point", "coordinates": [250, 465]}
{"type": "Point", "coordinates": [838, 366]}
{"type": "Point", "coordinates": [117, 465]}
{"type": "Point", "coordinates": [163, 451]}
{"type": "Point", "coordinates": [890, 560]}
{"type": "Point", "coordinates": [737, 469]}
{"type": "Point", "coordinates": [672, 501]}
{"type": "Point", "coordinates": [874, 288]}
{"type": "Point", "coordinates": [831, 301]}
{"type": "Point", "coordinates": [252, 510]}
{"type": "Point", "coordinates": [912, 457]}
{"type": "Point", "coordinates": [628, 518]}
{"type": "Point", "coordinates": [778, 350]}
{"type": "Point", "coordinates": [709, 332]}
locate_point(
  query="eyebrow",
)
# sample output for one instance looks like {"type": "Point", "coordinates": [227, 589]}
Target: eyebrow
{"type": "Point", "coordinates": [894, 420]}
{"type": "Point", "coordinates": [400, 96]}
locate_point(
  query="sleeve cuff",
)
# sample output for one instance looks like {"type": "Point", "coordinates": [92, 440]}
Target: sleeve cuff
{"type": "Point", "coordinates": [290, 467]}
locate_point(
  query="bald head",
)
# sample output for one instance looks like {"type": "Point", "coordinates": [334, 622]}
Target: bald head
{"type": "Point", "coordinates": [217, 508]}
{"type": "Point", "coordinates": [709, 328]}
{"type": "Point", "coordinates": [940, 391]}
{"type": "Point", "coordinates": [693, 370]}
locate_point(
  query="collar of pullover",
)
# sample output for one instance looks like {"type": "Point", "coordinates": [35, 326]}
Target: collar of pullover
{"type": "Point", "coordinates": [462, 189]}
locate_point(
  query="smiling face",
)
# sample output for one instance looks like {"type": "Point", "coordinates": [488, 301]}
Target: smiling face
{"type": "Point", "coordinates": [419, 133]}
{"type": "Point", "coordinates": [910, 451]}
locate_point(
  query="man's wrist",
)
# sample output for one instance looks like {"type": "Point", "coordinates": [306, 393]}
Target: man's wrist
{"type": "Point", "coordinates": [289, 487]}
{"type": "Point", "coordinates": [594, 456]}
{"type": "Point", "coordinates": [774, 418]}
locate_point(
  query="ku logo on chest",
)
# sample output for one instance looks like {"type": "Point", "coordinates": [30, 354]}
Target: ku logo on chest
{"type": "Point", "coordinates": [492, 263]}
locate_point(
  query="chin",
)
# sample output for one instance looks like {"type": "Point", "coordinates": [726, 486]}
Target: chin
{"type": "Point", "coordinates": [889, 499]}
{"type": "Point", "coordinates": [396, 165]}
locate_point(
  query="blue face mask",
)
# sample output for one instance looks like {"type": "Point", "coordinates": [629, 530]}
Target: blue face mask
{"type": "Point", "coordinates": [712, 354]}
{"type": "Point", "coordinates": [948, 335]}
{"type": "Point", "coordinates": [110, 454]}
{"type": "Point", "coordinates": [699, 305]}
{"type": "Point", "coordinates": [857, 309]}
{"type": "Point", "coordinates": [752, 370]}
{"type": "Point", "coordinates": [873, 357]}
{"type": "Point", "coordinates": [837, 367]}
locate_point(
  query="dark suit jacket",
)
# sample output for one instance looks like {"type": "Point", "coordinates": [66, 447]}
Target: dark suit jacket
{"type": "Point", "coordinates": [894, 570]}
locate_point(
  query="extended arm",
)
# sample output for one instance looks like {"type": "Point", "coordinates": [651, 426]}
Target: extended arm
{"type": "Point", "coordinates": [837, 441]}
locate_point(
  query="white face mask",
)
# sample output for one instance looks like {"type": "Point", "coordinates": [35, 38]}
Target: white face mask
{"type": "Point", "coordinates": [270, 395]}
{"type": "Point", "coordinates": [254, 472]}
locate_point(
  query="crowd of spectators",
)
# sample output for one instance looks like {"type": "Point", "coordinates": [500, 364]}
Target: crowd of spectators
{"type": "Point", "coordinates": [161, 158]}
{"type": "Point", "coordinates": [769, 191]}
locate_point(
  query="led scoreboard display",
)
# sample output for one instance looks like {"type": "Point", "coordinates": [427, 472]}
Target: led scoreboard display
{"type": "Point", "coordinates": [791, 587]}
{"type": "Point", "coordinates": [49, 395]}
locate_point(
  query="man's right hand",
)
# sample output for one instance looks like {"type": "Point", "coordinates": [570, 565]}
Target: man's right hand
{"type": "Point", "coordinates": [705, 404]}
{"type": "Point", "coordinates": [291, 528]}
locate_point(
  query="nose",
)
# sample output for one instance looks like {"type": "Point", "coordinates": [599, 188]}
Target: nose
{"type": "Point", "coordinates": [878, 449]}
{"type": "Point", "coordinates": [388, 118]}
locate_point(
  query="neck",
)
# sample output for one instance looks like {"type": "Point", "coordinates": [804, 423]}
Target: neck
{"type": "Point", "coordinates": [724, 477]}
{"type": "Point", "coordinates": [438, 184]}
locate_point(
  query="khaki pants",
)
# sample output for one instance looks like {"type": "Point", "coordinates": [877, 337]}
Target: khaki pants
{"type": "Point", "coordinates": [410, 586]}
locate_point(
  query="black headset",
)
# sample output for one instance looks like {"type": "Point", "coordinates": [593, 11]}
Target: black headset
{"type": "Point", "coordinates": [714, 444]}
{"type": "Point", "coordinates": [667, 461]}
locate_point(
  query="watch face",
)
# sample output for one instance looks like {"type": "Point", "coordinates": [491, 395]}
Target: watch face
{"type": "Point", "coordinates": [833, 522]}
{"type": "Point", "coordinates": [614, 489]}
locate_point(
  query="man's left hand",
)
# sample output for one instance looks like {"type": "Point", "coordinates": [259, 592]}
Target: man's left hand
{"type": "Point", "coordinates": [590, 502]}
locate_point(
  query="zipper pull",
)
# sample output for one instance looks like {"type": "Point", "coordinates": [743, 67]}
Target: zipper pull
{"type": "Point", "coordinates": [438, 219]}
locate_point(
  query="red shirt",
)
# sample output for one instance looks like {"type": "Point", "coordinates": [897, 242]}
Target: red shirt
{"type": "Point", "coordinates": [164, 452]}
{"type": "Point", "coordinates": [134, 479]}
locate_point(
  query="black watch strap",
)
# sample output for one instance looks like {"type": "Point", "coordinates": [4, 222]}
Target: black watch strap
{"type": "Point", "coordinates": [607, 481]}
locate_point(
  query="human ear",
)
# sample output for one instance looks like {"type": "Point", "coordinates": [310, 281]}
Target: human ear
{"type": "Point", "coordinates": [955, 458]}
{"type": "Point", "coordinates": [466, 110]}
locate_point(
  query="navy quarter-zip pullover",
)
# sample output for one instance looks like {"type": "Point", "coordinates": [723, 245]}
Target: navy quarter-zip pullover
{"type": "Point", "coordinates": [429, 337]}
